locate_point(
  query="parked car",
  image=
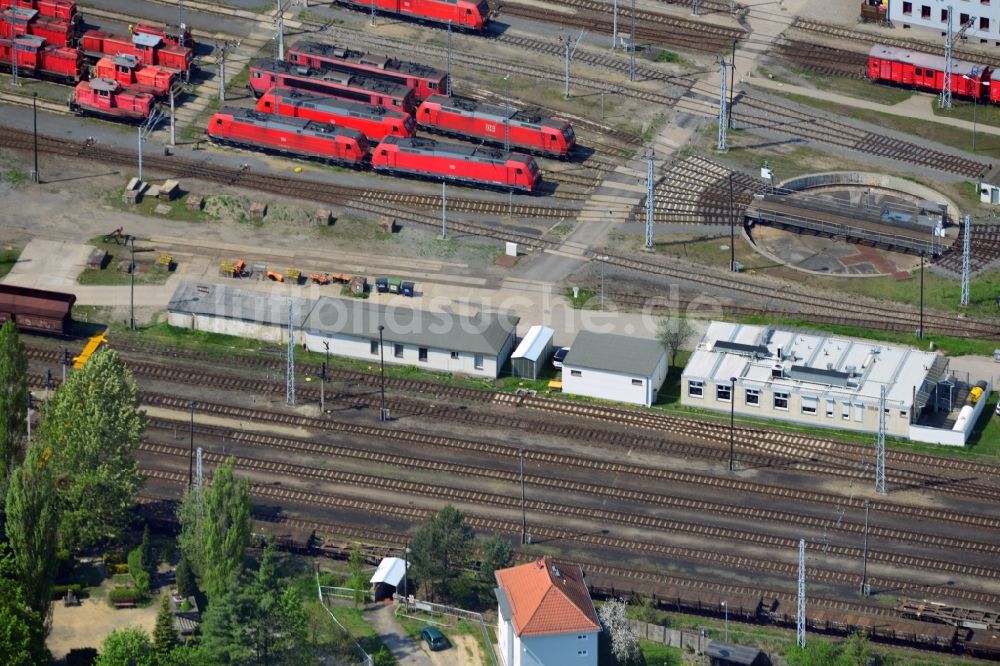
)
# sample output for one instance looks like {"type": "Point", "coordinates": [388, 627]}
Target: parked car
{"type": "Point", "coordinates": [559, 357]}
{"type": "Point", "coordinates": [435, 639]}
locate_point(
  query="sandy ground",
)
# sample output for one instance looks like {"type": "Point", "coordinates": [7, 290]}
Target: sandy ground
{"type": "Point", "coordinates": [86, 625]}
{"type": "Point", "coordinates": [464, 651]}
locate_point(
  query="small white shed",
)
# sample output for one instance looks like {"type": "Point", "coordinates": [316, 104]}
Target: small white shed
{"type": "Point", "coordinates": [386, 580]}
{"type": "Point", "coordinates": [532, 353]}
{"type": "Point", "coordinates": [615, 367]}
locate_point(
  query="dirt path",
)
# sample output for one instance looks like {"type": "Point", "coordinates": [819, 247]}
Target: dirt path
{"type": "Point", "coordinates": [86, 625]}
{"type": "Point", "coordinates": [464, 651]}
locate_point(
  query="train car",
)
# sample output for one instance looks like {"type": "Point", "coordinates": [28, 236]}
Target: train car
{"type": "Point", "coordinates": [296, 137]}
{"type": "Point", "coordinates": [133, 75]}
{"type": "Point", "coordinates": [461, 116]}
{"type": "Point", "coordinates": [37, 59]}
{"type": "Point", "coordinates": [374, 122]}
{"type": "Point", "coordinates": [148, 49]}
{"type": "Point", "coordinates": [37, 310]}
{"type": "Point", "coordinates": [424, 80]}
{"type": "Point", "coordinates": [925, 71]}
{"type": "Point", "coordinates": [426, 158]}
{"type": "Point", "coordinates": [168, 34]}
{"type": "Point", "coordinates": [64, 10]}
{"type": "Point", "coordinates": [105, 98]}
{"type": "Point", "coordinates": [471, 15]}
{"type": "Point", "coordinates": [20, 21]}
{"type": "Point", "coordinates": [994, 93]}
{"type": "Point", "coordinates": [268, 73]}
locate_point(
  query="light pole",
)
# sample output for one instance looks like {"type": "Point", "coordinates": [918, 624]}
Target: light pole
{"type": "Point", "coordinates": [322, 378]}
{"type": "Point", "coordinates": [193, 404]}
{"type": "Point", "coordinates": [34, 122]}
{"type": "Point", "coordinates": [383, 414]}
{"type": "Point", "coordinates": [864, 570]}
{"type": "Point", "coordinates": [131, 274]}
{"type": "Point", "coordinates": [920, 331]}
{"type": "Point", "coordinates": [31, 405]}
{"type": "Point", "coordinates": [603, 260]}
{"type": "Point", "coordinates": [524, 515]}
{"type": "Point", "coordinates": [732, 423]}
{"type": "Point", "coordinates": [725, 607]}
{"type": "Point", "coordinates": [406, 566]}
{"type": "Point", "coordinates": [732, 226]}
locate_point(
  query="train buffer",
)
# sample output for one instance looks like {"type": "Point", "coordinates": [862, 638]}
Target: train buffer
{"type": "Point", "coordinates": [92, 346]}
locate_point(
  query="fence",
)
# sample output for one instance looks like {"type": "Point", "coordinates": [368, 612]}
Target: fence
{"type": "Point", "coordinates": [441, 609]}
{"type": "Point", "coordinates": [366, 658]}
{"type": "Point", "coordinates": [685, 640]}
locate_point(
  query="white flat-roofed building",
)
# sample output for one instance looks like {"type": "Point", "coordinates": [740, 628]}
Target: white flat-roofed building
{"type": "Point", "coordinates": [477, 344]}
{"type": "Point", "coordinates": [246, 313]}
{"type": "Point", "coordinates": [812, 379]}
{"type": "Point", "coordinates": [615, 367]}
{"type": "Point", "coordinates": [933, 14]}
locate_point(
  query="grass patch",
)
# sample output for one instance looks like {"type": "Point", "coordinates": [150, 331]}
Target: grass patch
{"type": "Point", "coordinates": [7, 260]}
{"type": "Point", "coordinates": [859, 88]}
{"type": "Point", "coordinates": [961, 109]}
{"type": "Point", "coordinates": [14, 176]}
{"type": "Point", "coordinates": [147, 272]}
{"type": "Point", "coordinates": [579, 299]}
{"type": "Point", "coordinates": [667, 56]}
{"type": "Point", "coordinates": [661, 655]}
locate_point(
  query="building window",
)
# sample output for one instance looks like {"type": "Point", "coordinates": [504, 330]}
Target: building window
{"type": "Point", "coordinates": [454, 355]}
{"type": "Point", "coordinates": [752, 397]}
{"type": "Point", "coordinates": [580, 638]}
{"type": "Point", "coordinates": [581, 653]}
{"type": "Point", "coordinates": [903, 414]}
{"type": "Point", "coordinates": [984, 23]}
{"type": "Point", "coordinates": [809, 404]}
{"type": "Point", "coordinates": [780, 400]}
{"type": "Point", "coordinates": [963, 19]}
{"type": "Point", "coordinates": [398, 350]}
{"type": "Point", "coordinates": [478, 362]}
{"type": "Point", "coordinates": [374, 347]}
{"type": "Point", "coordinates": [636, 382]}
{"type": "Point", "coordinates": [422, 354]}
{"type": "Point", "coordinates": [925, 12]}
{"type": "Point", "coordinates": [908, 8]}
{"type": "Point", "coordinates": [696, 389]}
{"type": "Point", "coordinates": [575, 373]}
{"type": "Point", "coordinates": [723, 392]}
{"type": "Point", "coordinates": [859, 411]}
{"type": "Point", "coordinates": [845, 410]}
{"type": "Point", "coordinates": [830, 407]}
{"type": "Point", "coordinates": [944, 15]}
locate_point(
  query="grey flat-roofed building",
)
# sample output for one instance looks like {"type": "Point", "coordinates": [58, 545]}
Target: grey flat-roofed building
{"type": "Point", "coordinates": [731, 654]}
{"type": "Point", "coordinates": [615, 367]}
{"type": "Point", "coordinates": [239, 311]}
{"type": "Point", "coordinates": [477, 344]}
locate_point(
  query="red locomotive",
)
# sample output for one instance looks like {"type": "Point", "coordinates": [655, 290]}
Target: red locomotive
{"type": "Point", "coordinates": [133, 75]}
{"type": "Point", "coordinates": [64, 10]}
{"type": "Point", "coordinates": [426, 158]}
{"type": "Point", "coordinates": [167, 35]}
{"type": "Point", "coordinates": [463, 14]}
{"type": "Point", "coordinates": [925, 71]}
{"type": "Point", "coordinates": [374, 122]}
{"type": "Point", "coordinates": [37, 59]}
{"type": "Point", "coordinates": [20, 21]}
{"type": "Point", "coordinates": [424, 80]}
{"type": "Point", "coordinates": [297, 137]}
{"type": "Point", "coordinates": [266, 74]}
{"type": "Point", "coordinates": [461, 116]}
{"type": "Point", "coordinates": [148, 49]}
{"type": "Point", "coordinates": [105, 98]}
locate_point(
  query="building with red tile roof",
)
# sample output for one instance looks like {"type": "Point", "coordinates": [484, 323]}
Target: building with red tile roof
{"type": "Point", "coordinates": [546, 617]}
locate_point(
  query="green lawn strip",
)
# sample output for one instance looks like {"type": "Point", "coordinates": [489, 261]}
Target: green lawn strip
{"type": "Point", "coordinates": [657, 654]}
{"type": "Point", "coordinates": [7, 260]}
{"type": "Point", "coordinates": [354, 621]}
{"type": "Point", "coordinates": [965, 109]}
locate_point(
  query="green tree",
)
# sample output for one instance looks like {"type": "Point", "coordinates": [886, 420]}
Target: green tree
{"type": "Point", "coordinates": [22, 630]}
{"type": "Point", "coordinates": [221, 631]}
{"type": "Point", "coordinates": [31, 523]}
{"type": "Point", "coordinates": [356, 565]}
{"type": "Point", "coordinates": [216, 527]}
{"type": "Point", "coordinates": [274, 621]}
{"type": "Point", "coordinates": [165, 636]}
{"type": "Point", "coordinates": [148, 555]}
{"type": "Point", "coordinates": [441, 548]}
{"type": "Point", "coordinates": [184, 577]}
{"type": "Point", "coordinates": [126, 647]}
{"type": "Point", "coordinates": [13, 397]}
{"type": "Point", "coordinates": [93, 426]}
{"type": "Point", "coordinates": [497, 554]}
{"type": "Point", "coordinates": [673, 334]}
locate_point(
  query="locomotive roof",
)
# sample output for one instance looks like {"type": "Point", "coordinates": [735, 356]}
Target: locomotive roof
{"type": "Point", "coordinates": [107, 85]}
{"type": "Point", "coordinates": [324, 74]}
{"type": "Point", "coordinates": [926, 60]}
{"type": "Point", "coordinates": [362, 58]}
{"type": "Point", "coordinates": [422, 146]}
{"type": "Point", "coordinates": [332, 104]}
{"type": "Point", "coordinates": [468, 106]}
{"type": "Point", "coordinates": [146, 40]}
{"type": "Point", "coordinates": [126, 60]}
{"type": "Point", "coordinates": [299, 125]}
{"type": "Point", "coordinates": [20, 14]}
{"type": "Point", "coordinates": [29, 42]}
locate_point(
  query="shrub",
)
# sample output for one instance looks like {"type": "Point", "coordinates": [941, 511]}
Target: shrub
{"type": "Point", "coordinates": [185, 605]}
{"type": "Point", "coordinates": [116, 557]}
{"type": "Point", "coordinates": [125, 595]}
{"type": "Point", "coordinates": [384, 658]}
{"type": "Point", "coordinates": [59, 591]}
{"type": "Point", "coordinates": [142, 583]}
{"type": "Point", "coordinates": [118, 569]}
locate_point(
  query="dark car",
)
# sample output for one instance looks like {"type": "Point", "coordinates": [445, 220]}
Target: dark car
{"type": "Point", "coordinates": [435, 639]}
{"type": "Point", "coordinates": [559, 356]}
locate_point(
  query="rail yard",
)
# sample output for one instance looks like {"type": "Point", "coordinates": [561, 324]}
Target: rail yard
{"type": "Point", "coordinates": [575, 166]}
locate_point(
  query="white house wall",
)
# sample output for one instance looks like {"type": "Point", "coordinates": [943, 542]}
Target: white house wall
{"type": "Point", "coordinates": [614, 386]}
{"type": "Point", "coordinates": [235, 327]}
{"type": "Point", "coordinates": [505, 639]}
{"type": "Point", "coordinates": [575, 649]}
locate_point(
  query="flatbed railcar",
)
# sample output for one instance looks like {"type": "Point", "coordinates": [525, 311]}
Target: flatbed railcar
{"type": "Point", "coordinates": [296, 137]}
{"type": "Point", "coordinates": [926, 72]}
{"type": "Point", "coordinates": [269, 73]}
{"type": "Point", "coordinates": [424, 79]}
{"type": "Point", "coordinates": [465, 117]}
{"type": "Point", "coordinates": [471, 15]}
{"type": "Point", "coordinates": [133, 75]}
{"type": "Point", "coordinates": [483, 167]}
{"type": "Point", "coordinates": [374, 122]}
{"type": "Point", "coordinates": [148, 49]}
{"type": "Point", "coordinates": [64, 10]}
{"type": "Point", "coordinates": [106, 98]}
{"type": "Point", "coordinates": [20, 21]}
{"type": "Point", "coordinates": [39, 60]}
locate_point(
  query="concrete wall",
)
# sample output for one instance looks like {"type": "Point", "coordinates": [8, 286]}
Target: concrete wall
{"type": "Point", "coordinates": [439, 360]}
{"type": "Point", "coordinates": [672, 637]}
{"type": "Point", "coordinates": [615, 386]}
{"type": "Point", "coordinates": [989, 193]}
{"type": "Point", "coordinates": [237, 327]}
{"type": "Point", "coordinates": [952, 437]}
{"type": "Point", "coordinates": [576, 649]}
{"type": "Point", "coordinates": [861, 416]}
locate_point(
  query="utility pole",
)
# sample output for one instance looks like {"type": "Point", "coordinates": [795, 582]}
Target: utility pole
{"type": "Point", "coordinates": [524, 515]}
{"type": "Point", "coordinates": [723, 143]}
{"type": "Point", "coordinates": [506, 110]}
{"type": "Point", "coordinates": [373, 13]}
{"type": "Point", "coordinates": [444, 210]}
{"type": "Point", "coordinates": [694, 7]}
{"type": "Point", "coordinates": [223, 52]}
{"type": "Point", "coordinates": [180, 22]}
{"type": "Point", "coordinates": [631, 47]}
{"type": "Point", "coordinates": [920, 331]}
{"type": "Point", "coordinates": [732, 226]}
{"type": "Point", "coordinates": [650, 199]}
{"type": "Point", "coordinates": [732, 83]}
{"type": "Point", "coordinates": [145, 130]}
{"type": "Point", "coordinates": [35, 177]}
{"type": "Point", "coordinates": [322, 378]}
{"type": "Point", "coordinates": [65, 363]}
{"type": "Point", "coordinates": [199, 470]}
{"type": "Point", "coordinates": [192, 405]}
{"type": "Point", "coordinates": [279, 21]}
{"type": "Point", "coordinates": [448, 82]}
{"type": "Point", "coordinates": [603, 260]}
{"type": "Point", "coordinates": [31, 406]}
{"type": "Point", "coordinates": [383, 412]}
{"type": "Point", "coordinates": [614, 25]}
{"type": "Point", "coordinates": [14, 80]}
{"type": "Point", "coordinates": [966, 252]}
{"type": "Point", "coordinates": [944, 100]}
{"type": "Point", "coordinates": [173, 126]}
{"type": "Point", "coordinates": [864, 566]}
{"type": "Point", "coordinates": [800, 610]}
{"type": "Point", "coordinates": [570, 50]}
{"type": "Point", "coordinates": [290, 363]}
{"type": "Point", "coordinates": [131, 274]}
{"type": "Point", "coordinates": [880, 444]}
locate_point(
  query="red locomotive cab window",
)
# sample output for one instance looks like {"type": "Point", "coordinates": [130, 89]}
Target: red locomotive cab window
{"type": "Point", "coordinates": [256, 75]}
{"type": "Point", "coordinates": [520, 172]}
{"type": "Point", "coordinates": [918, 71]}
{"type": "Point", "coordinates": [383, 153]}
{"type": "Point", "coordinates": [218, 121]}
{"type": "Point", "coordinates": [267, 105]}
{"type": "Point", "coordinates": [432, 85]}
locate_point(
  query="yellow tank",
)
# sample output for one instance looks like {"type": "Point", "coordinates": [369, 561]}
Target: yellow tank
{"type": "Point", "coordinates": [975, 394]}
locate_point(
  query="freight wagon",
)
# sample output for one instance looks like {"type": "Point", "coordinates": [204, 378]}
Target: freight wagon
{"type": "Point", "coordinates": [925, 71]}
{"type": "Point", "coordinates": [461, 116]}
{"type": "Point", "coordinates": [37, 59]}
{"type": "Point", "coordinates": [148, 49]}
{"type": "Point", "coordinates": [105, 98]}
{"type": "Point", "coordinates": [19, 21]}
{"type": "Point", "coordinates": [133, 75]}
{"type": "Point", "coordinates": [424, 80]}
{"type": "Point", "coordinates": [471, 15]}
{"type": "Point", "coordinates": [266, 74]}
{"type": "Point", "coordinates": [374, 122]}
{"type": "Point", "coordinates": [426, 158]}
{"type": "Point", "coordinates": [37, 310]}
{"type": "Point", "coordinates": [296, 137]}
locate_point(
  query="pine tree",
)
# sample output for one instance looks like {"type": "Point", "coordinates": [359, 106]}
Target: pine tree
{"type": "Point", "coordinates": [13, 398]}
{"type": "Point", "coordinates": [146, 549]}
{"type": "Point", "coordinates": [165, 636]}
{"type": "Point", "coordinates": [184, 578]}
{"type": "Point", "coordinates": [93, 426]}
{"type": "Point", "coordinates": [441, 548]}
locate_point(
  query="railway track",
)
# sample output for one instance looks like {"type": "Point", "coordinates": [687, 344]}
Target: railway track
{"type": "Point", "coordinates": [826, 60]}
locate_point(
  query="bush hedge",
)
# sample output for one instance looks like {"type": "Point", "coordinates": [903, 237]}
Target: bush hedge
{"type": "Point", "coordinates": [118, 569]}
{"type": "Point", "coordinates": [59, 591]}
{"type": "Point", "coordinates": [125, 595]}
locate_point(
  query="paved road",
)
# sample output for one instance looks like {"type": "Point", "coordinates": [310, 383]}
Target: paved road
{"type": "Point", "coordinates": [407, 652]}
